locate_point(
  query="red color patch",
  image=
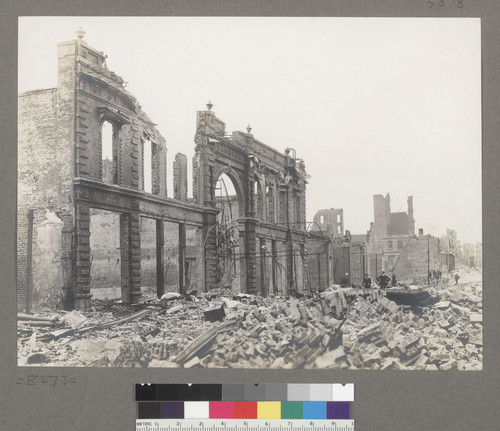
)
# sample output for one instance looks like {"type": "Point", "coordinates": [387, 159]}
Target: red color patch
{"type": "Point", "coordinates": [245, 410]}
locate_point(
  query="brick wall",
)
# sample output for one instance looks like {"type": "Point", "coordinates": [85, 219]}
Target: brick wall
{"type": "Point", "coordinates": [180, 177]}
{"type": "Point", "coordinates": [319, 268]}
{"type": "Point", "coordinates": [45, 166]}
{"type": "Point", "coordinates": [413, 258]}
{"type": "Point", "coordinates": [105, 243]}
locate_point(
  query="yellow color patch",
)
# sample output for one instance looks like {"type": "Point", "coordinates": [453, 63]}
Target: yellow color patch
{"type": "Point", "coordinates": [269, 410]}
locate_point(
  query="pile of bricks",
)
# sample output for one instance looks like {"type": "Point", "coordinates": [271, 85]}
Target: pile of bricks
{"type": "Point", "coordinates": [446, 336]}
{"type": "Point", "coordinates": [341, 328]}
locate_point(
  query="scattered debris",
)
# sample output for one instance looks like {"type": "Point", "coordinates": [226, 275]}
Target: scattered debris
{"type": "Point", "coordinates": [341, 328]}
{"type": "Point", "coordinates": [75, 319]}
{"type": "Point", "coordinates": [214, 313]}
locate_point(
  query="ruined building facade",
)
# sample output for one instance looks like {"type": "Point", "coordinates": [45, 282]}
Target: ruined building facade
{"type": "Point", "coordinates": [87, 148]}
{"type": "Point", "coordinates": [393, 245]}
{"type": "Point", "coordinates": [335, 255]}
{"type": "Point", "coordinates": [267, 222]}
{"type": "Point", "coordinates": [390, 245]}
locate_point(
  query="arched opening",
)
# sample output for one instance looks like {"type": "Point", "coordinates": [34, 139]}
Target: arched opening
{"type": "Point", "coordinates": [229, 247]}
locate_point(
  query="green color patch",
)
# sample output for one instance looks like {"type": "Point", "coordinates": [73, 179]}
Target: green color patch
{"type": "Point", "coordinates": [292, 410]}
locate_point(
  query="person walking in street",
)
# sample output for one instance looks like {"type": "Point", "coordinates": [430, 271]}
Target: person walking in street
{"type": "Point", "coordinates": [394, 280]}
{"type": "Point", "coordinates": [367, 282]}
{"type": "Point", "coordinates": [383, 280]}
{"type": "Point", "coordinates": [457, 277]}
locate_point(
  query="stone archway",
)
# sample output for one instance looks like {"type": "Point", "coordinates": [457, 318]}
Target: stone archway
{"type": "Point", "coordinates": [268, 205]}
{"type": "Point", "coordinates": [229, 241]}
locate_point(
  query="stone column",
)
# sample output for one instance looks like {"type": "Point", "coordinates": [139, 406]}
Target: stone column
{"type": "Point", "coordinates": [160, 258]}
{"type": "Point", "coordinates": [251, 256]}
{"type": "Point", "coordinates": [210, 250]}
{"type": "Point", "coordinates": [125, 256]}
{"type": "Point", "coordinates": [130, 247]}
{"type": "Point", "coordinates": [263, 267]}
{"type": "Point", "coordinates": [81, 286]}
{"type": "Point", "coordinates": [135, 252]}
{"type": "Point", "coordinates": [182, 256]}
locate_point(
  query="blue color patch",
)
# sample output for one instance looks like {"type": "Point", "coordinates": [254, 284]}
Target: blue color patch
{"type": "Point", "coordinates": [315, 410]}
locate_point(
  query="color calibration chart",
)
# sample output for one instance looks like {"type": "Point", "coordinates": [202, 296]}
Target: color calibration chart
{"type": "Point", "coordinates": [244, 407]}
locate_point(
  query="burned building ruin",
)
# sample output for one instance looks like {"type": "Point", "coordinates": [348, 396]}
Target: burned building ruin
{"type": "Point", "coordinates": [93, 205]}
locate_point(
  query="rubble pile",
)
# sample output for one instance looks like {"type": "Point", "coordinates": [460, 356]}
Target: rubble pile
{"type": "Point", "coordinates": [383, 335]}
{"type": "Point", "coordinates": [342, 328]}
{"type": "Point", "coordinates": [258, 332]}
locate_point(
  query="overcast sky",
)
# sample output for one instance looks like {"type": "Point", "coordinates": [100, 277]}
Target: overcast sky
{"type": "Point", "coordinates": [372, 105]}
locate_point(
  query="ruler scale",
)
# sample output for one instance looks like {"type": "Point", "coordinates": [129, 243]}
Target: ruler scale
{"type": "Point", "coordinates": [244, 425]}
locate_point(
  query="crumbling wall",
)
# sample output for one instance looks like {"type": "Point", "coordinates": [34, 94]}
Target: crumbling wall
{"type": "Point", "coordinates": [62, 173]}
{"type": "Point", "coordinates": [356, 265]}
{"type": "Point", "coordinates": [44, 186]}
{"type": "Point", "coordinates": [330, 218]}
{"type": "Point", "coordinates": [319, 262]}
{"type": "Point", "coordinates": [271, 198]}
{"type": "Point", "coordinates": [180, 177]}
{"type": "Point", "coordinates": [382, 211]}
{"type": "Point", "coordinates": [101, 96]}
{"type": "Point", "coordinates": [47, 280]}
{"type": "Point", "coordinates": [414, 260]}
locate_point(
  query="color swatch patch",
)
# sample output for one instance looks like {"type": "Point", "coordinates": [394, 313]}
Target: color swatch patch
{"type": "Point", "coordinates": [245, 392]}
{"type": "Point", "coordinates": [264, 401]}
{"type": "Point", "coordinates": [243, 410]}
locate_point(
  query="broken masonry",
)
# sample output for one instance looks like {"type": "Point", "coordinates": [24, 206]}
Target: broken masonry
{"type": "Point", "coordinates": [93, 209]}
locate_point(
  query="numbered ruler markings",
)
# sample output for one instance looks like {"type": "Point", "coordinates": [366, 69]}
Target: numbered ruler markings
{"type": "Point", "coordinates": [244, 425]}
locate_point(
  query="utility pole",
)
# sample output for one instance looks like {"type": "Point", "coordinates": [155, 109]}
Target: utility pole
{"type": "Point", "coordinates": [29, 258]}
{"type": "Point", "coordinates": [428, 262]}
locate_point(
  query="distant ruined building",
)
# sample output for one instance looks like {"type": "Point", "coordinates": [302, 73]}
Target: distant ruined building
{"type": "Point", "coordinates": [93, 209]}
{"type": "Point", "coordinates": [390, 245]}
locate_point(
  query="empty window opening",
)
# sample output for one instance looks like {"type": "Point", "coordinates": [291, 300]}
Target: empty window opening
{"type": "Point", "coordinates": [322, 219]}
{"type": "Point", "coordinates": [193, 265]}
{"type": "Point", "coordinates": [283, 207]}
{"type": "Point", "coordinates": [171, 257]}
{"type": "Point", "coordinates": [108, 153]}
{"type": "Point", "coordinates": [339, 218]}
{"type": "Point", "coordinates": [389, 245]}
{"type": "Point", "coordinates": [105, 269]}
{"type": "Point", "coordinates": [147, 165]}
{"type": "Point", "coordinates": [271, 211]}
{"type": "Point", "coordinates": [258, 200]}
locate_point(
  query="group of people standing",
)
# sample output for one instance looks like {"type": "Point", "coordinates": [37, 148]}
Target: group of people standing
{"type": "Point", "coordinates": [436, 275]}
{"type": "Point", "coordinates": [383, 281]}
